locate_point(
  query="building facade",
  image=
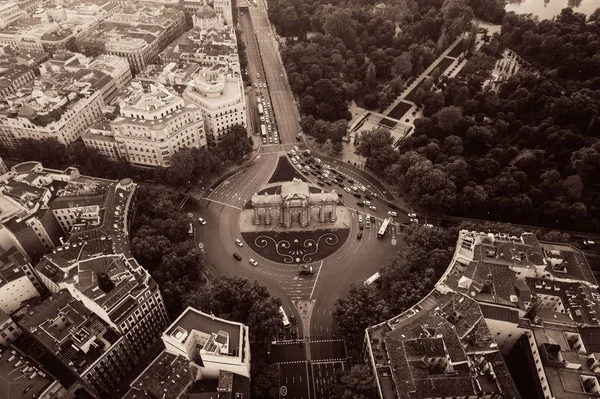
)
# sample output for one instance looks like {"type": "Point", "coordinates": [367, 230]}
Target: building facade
{"type": "Point", "coordinates": [222, 102]}
{"type": "Point", "coordinates": [153, 123]}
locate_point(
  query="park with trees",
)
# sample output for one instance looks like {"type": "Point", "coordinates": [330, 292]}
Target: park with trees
{"type": "Point", "coordinates": [526, 152]}
{"type": "Point", "coordinates": [362, 51]}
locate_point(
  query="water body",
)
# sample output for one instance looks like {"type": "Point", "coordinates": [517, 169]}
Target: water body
{"type": "Point", "coordinates": [546, 9]}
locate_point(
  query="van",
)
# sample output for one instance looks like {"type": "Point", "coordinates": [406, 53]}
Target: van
{"type": "Point", "coordinates": [372, 279]}
{"type": "Point", "coordinates": [190, 230]}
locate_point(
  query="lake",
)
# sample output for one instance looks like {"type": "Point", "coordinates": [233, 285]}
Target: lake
{"type": "Point", "coordinates": [546, 9]}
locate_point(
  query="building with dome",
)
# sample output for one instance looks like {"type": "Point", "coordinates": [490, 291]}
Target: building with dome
{"type": "Point", "coordinates": [205, 9]}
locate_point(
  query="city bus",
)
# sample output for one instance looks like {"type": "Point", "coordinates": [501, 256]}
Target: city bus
{"type": "Point", "coordinates": [284, 319]}
{"type": "Point", "coordinates": [263, 130]}
{"type": "Point", "coordinates": [260, 109]}
{"type": "Point", "coordinates": [372, 279]}
{"type": "Point", "coordinates": [384, 226]}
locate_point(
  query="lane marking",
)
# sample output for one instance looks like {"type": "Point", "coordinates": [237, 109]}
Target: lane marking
{"type": "Point", "coordinates": [317, 279]}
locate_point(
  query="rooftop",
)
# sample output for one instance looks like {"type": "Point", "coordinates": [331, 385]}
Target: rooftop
{"type": "Point", "coordinates": [167, 377]}
{"type": "Point", "coordinates": [219, 333]}
{"type": "Point", "coordinates": [66, 327]}
{"type": "Point", "coordinates": [20, 379]}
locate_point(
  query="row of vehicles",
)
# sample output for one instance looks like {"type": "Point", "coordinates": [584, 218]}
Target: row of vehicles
{"type": "Point", "coordinates": [269, 134]}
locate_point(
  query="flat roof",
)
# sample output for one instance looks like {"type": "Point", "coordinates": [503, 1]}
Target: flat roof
{"type": "Point", "coordinates": [192, 319]}
{"type": "Point", "coordinates": [15, 382]}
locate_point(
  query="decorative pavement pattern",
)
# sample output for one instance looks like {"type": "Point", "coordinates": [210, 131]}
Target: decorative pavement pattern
{"type": "Point", "coordinates": [295, 252]}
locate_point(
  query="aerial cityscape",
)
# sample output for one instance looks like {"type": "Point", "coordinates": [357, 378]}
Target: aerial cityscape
{"type": "Point", "coordinates": [273, 199]}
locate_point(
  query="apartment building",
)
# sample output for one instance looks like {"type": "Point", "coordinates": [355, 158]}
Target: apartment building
{"type": "Point", "coordinates": [153, 123]}
{"type": "Point", "coordinates": [533, 301]}
{"type": "Point", "coordinates": [211, 45]}
{"type": "Point", "coordinates": [203, 353]}
{"type": "Point", "coordinates": [10, 12]}
{"type": "Point", "coordinates": [222, 101]}
{"type": "Point", "coordinates": [9, 331]}
{"type": "Point", "coordinates": [222, 8]}
{"type": "Point", "coordinates": [55, 105]}
{"type": "Point", "coordinates": [18, 282]}
{"type": "Point", "coordinates": [137, 33]}
{"type": "Point", "coordinates": [109, 72]}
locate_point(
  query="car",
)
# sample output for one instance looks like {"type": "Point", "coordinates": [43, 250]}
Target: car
{"type": "Point", "coordinates": [354, 188]}
{"type": "Point", "coordinates": [368, 223]}
{"type": "Point", "coordinates": [255, 85]}
{"type": "Point", "coordinates": [237, 256]}
{"type": "Point", "coordinates": [293, 334]}
{"type": "Point", "coordinates": [320, 183]}
{"type": "Point", "coordinates": [373, 208]}
{"type": "Point", "coordinates": [367, 196]}
{"type": "Point", "coordinates": [363, 188]}
{"type": "Point", "coordinates": [361, 226]}
{"type": "Point", "coordinates": [258, 75]}
{"type": "Point", "coordinates": [357, 195]}
{"type": "Point", "coordinates": [360, 218]}
{"type": "Point", "coordinates": [428, 225]}
{"type": "Point", "coordinates": [341, 184]}
{"type": "Point", "coordinates": [413, 220]}
{"type": "Point", "coordinates": [392, 205]}
{"type": "Point", "coordinates": [264, 140]}
{"type": "Point", "coordinates": [329, 183]}
{"type": "Point", "coordinates": [294, 161]}
{"type": "Point", "coordinates": [293, 153]}
{"type": "Point", "coordinates": [270, 140]}
{"type": "Point", "coordinates": [306, 271]}
{"type": "Point", "coordinates": [588, 243]}
{"type": "Point", "coordinates": [351, 181]}
{"type": "Point", "coordinates": [347, 189]}
{"type": "Point", "coordinates": [360, 203]}
{"type": "Point", "coordinates": [239, 242]}
{"type": "Point", "coordinates": [359, 235]}
{"type": "Point", "coordinates": [412, 215]}
{"type": "Point", "coordinates": [375, 195]}
{"type": "Point", "coordinates": [252, 262]}
{"type": "Point", "coordinates": [307, 168]}
{"type": "Point", "coordinates": [293, 319]}
{"type": "Point", "coordinates": [201, 221]}
{"type": "Point", "coordinates": [367, 203]}
{"type": "Point", "coordinates": [392, 214]}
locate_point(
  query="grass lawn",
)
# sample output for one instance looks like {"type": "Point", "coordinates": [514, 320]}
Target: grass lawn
{"type": "Point", "coordinates": [285, 171]}
{"type": "Point", "coordinates": [296, 247]}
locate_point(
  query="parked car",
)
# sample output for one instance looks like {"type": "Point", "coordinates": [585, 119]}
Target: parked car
{"type": "Point", "coordinates": [392, 213]}
{"type": "Point", "coordinates": [373, 208]}
{"type": "Point", "coordinates": [412, 215]}
{"type": "Point", "coordinates": [360, 218]}
{"type": "Point", "coordinates": [367, 196]}
{"type": "Point", "coordinates": [347, 189]}
{"type": "Point", "coordinates": [368, 223]}
{"type": "Point", "coordinates": [367, 203]}
{"type": "Point", "coordinates": [413, 220]}
{"type": "Point", "coordinates": [237, 256]}
{"type": "Point", "coordinates": [360, 203]}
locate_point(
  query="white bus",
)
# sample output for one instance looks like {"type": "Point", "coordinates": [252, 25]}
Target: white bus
{"type": "Point", "coordinates": [260, 109]}
{"type": "Point", "coordinates": [384, 226]}
{"type": "Point", "coordinates": [263, 130]}
{"type": "Point", "coordinates": [372, 279]}
{"type": "Point", "coordinates": [284, 319]}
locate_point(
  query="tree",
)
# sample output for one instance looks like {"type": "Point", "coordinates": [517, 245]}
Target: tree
{"type": "Point", "coordinates": [402, 65]}
{"type": "Point", "coordinates": [429, 187]}
{"type": "Point", "coordinates": [356, 383]}
{"type": "Point", "coordinates": [236, 145]}
{"type": "Point", "coordinates": [448, 119]}
{"type": "Point", "coordinates": [48, 151]}
{"type": "Point", "coordinates": [360, 309]}
{"type": "Point", "coordinates": [339, 24]}
{"type": "Point", "coordinates": [432, 102]}
{"type": "Point", "coordinates": [453, 145]}
{"type": "Point", "coordinates": [180, 172]}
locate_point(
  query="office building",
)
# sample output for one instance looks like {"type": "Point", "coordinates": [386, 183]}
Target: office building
{"type": "Point", "coordinates": [221, 99]}
{"type": "Point", "coordinates": [152, 125]}
{"type": "Point", "coordinates": [204, 355]}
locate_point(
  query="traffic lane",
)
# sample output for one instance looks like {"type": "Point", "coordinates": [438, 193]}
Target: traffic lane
{"type": "Point", "coordinates": [327, 349]}
{"type": "Point", "coordinates": [296, 380]}
{"type": "Point", "coordinates": [355, 268]}
{"type": "Point", "coordinates": [288, 351]}
{"type": "Point", "coordinates": [323, 375]}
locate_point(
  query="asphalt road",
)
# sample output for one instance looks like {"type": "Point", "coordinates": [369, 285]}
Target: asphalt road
{"type": "Point", "coordinates": [286, 113]}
